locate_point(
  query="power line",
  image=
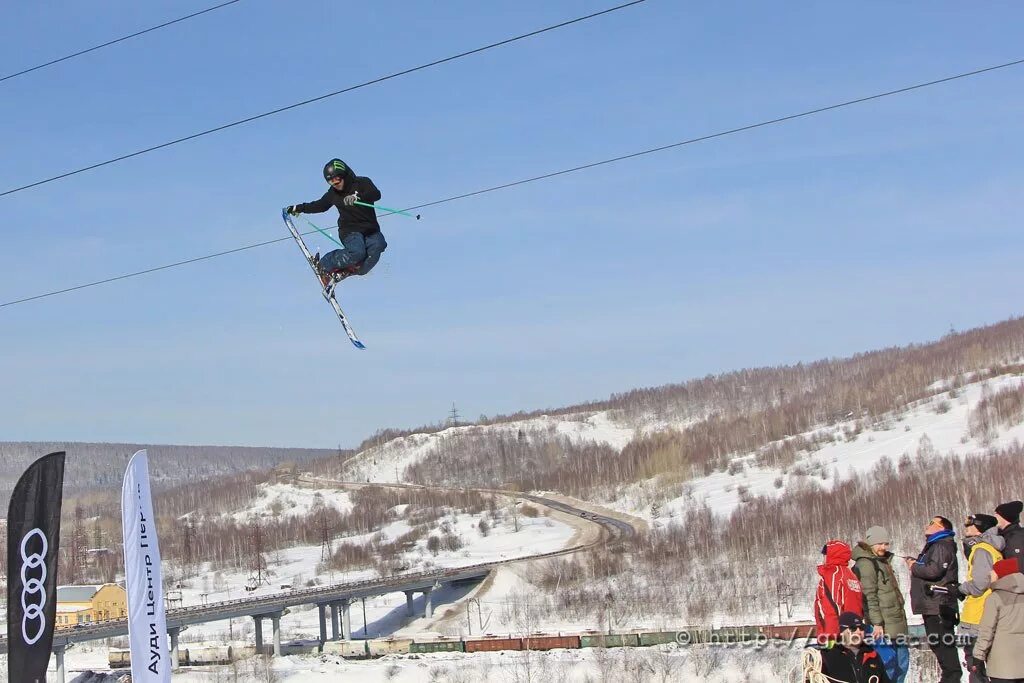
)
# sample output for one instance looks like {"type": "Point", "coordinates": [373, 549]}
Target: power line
{"type": "Point", "coordinates": [116, 40]}
{"type": "Point", "coordinates": [731, 131]}
{"type": "Point", "coordinates": [574, 169]}
{"type": "Point", "coordinates": [321, 97]}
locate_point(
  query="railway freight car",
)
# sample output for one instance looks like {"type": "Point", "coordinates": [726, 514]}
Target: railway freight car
{"type": "Point", "coordinates": [349, 649]}
{"type": "Point", "coordinates": [378, 647]}
{"type": "Point", "coordinates": [800, 631]}
{"type": "Point", "coordinates": [118, 658]}
{"type": "Point", "coordinates": [610, 640]}
{"type": "Point", "coordinates": [543, 641]}
{"type": "Point", "coordinates": [213, 654]}
{"type": "Point", "coordinates": [493, 644]}
{"type": "Point", "coordinates": [438, 645]}
{"type": "Point", "coordinates": [648, 638]}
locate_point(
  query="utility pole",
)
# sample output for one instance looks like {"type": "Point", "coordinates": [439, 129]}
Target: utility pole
{"type": "Point", "coordinates": [259, 564]}
{"type": "Point", "coordinates": [453, 416]}
{"type": "Point", "coordinates": [325, 537]}
{"type": "Point", "coordinates": [784, 593]}
{"type": "Point", "coordinates": [188, 534]}
{"type": "Point", "coordinates": [78, 545]}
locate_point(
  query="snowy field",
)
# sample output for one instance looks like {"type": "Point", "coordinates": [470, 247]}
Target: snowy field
{"type": "Point", "coordinates": [939, 421]}
{"type": "Point", "coordinates": [662, 664]}
{"type": "Point", "coordinates": [384, 615]}
{"type": "Point", "coordinates": [379, 464]}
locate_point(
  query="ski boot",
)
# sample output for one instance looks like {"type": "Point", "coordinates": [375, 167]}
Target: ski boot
{"type": "Point", "coordinates": [326, 278]}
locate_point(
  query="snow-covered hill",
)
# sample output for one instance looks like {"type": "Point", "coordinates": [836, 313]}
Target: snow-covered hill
{"type": "Point", "coordinates": [937, 426]}
{"type": "Point", "coordinates": [381, 463]}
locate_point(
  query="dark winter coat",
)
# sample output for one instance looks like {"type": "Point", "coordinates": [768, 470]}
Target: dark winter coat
{"type": "Point", "coordinates": [1014, 537]}
{"type": "Point", "coordinates": [355, 218]}
{"type": "Point", "coordinates": [935, 566]}
{"type": "Point", "coordinates": [883, 600]}
{"type": "Point", "coordinates": [840, 663]}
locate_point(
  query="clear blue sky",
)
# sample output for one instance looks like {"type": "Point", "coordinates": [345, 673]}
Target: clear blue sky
{"type": "Point", "coordinates": [880, 224]}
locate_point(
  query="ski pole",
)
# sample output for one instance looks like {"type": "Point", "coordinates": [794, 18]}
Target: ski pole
{"type": "Point", "coordinates": [323, 233]}
{"type": "Point", "coordinates": [384, 208]}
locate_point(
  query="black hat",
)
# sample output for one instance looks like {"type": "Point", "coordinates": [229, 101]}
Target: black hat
{"type": "Point", "coordinates": [851, 621]}
{"type": "Point", "coordinates": [1010, 511]}
{"type": "Point", "coordinates": [981, 522]}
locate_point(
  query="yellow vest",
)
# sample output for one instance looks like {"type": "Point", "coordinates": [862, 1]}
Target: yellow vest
{"type": "Point", "coordinates": [974, 605]}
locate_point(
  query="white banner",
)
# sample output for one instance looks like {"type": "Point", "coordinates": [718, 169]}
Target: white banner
{"type": "Point", "coordinates": [147, 623]}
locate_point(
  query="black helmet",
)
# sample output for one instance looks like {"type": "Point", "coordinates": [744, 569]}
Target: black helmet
{"type": "Point", "coordinates": [335, 168]}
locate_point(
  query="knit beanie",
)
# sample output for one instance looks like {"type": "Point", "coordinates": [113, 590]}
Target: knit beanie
{"type": "Point", "coordinates": [1010, 511]}
{"type": "Point", "coordinates": [876, 535]}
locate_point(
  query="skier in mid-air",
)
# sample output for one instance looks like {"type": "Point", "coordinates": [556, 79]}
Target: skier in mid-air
{"type": "Point", "coordinates": [358, 228]}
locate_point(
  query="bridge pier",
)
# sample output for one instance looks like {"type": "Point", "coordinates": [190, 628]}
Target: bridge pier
{"type": "Point", "coordinates": [322, 609]}
{"type": "Point", "coordinates": [428, 603]}
{"type": "Point", "coordinates": [334, 621]}
{"type": "Point", "coordinates": [58, 652]}
{"type": "Point", "coordinates": [408, 603]}
{"type": "Point", "coordinates": [174, 633]}
{"type": "Point", "coordinates": [276, 621]}
{"type": "Point", "coordinates": [346, 619]}
{"type": "Point", "coordinates": [259, 634]}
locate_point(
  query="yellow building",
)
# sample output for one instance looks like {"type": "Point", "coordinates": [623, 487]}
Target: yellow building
{"type": "Point", "coordinates": [89, 604]}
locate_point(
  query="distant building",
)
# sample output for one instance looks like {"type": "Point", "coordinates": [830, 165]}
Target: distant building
{"type": "Point", "coordinates": [89, 604]}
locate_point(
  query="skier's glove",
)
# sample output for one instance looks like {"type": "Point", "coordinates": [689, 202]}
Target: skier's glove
{"type": "Point", "coordinates": [351, 199]}
{"type": "Point", "coordinates": [293, 210]}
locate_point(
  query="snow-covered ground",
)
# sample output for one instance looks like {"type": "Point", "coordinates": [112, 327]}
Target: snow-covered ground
{"type": "Point", "coordinates": [298, 565]}
{"type": "Point", "coordinates": [380, 463]}
{"type": "Point", "coordinates": [774, 663]}
{"type": "Point", "coordinates": [939, 421]}
{"type": "Point", "coordinates": [277, 499]}
{"type": "Point", "coordinates": [384, 615]}
{"type": "Point", "coordinates": [666, 663]}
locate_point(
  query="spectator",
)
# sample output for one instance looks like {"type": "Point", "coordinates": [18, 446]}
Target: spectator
{"type": "Point", "coordinates": [883, 601]}
{"type": "Point", "coordinates": [982, 546]}
{"type": "Point", "coordinates": [838, 591]}
{"type": "Point", "coordinates": [998, 652]}
{"type": "Point", "coordinates": [852, 660]}
{"type": "Point", "coordinates": [1008, 517]}
{"type": "Point", "coordinates": [936, 566]}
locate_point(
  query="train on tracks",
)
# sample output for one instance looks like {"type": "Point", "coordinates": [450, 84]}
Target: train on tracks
{"type": "Point", "coordinates": [800, 633]}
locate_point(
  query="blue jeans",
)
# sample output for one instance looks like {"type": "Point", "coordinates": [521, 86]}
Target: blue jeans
{"type": "Point", "coordinates": [895, 658]}
{"type": "Point", "coordinates": [359, 249]}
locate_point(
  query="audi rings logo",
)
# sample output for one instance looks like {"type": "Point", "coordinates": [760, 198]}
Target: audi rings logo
{"type": "Point", "coordinates": [33, 589]}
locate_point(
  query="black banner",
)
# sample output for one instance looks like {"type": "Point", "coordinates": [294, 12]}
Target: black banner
{"type": "Point", "coordinates": [33, 537]}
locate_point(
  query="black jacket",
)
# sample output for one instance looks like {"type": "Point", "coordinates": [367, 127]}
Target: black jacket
{"type": "Point", "coordinates": [1014, 537]}
{"type": "Point", "coordinates": [355, 218]}
{"type": "Point", "coordinates": [840, 663]}
{"type": "Point", "coordinates": [935, 566]}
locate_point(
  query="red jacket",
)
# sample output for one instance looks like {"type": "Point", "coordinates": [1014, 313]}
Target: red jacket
{"type": "Point", "coordinates": [838, 591]}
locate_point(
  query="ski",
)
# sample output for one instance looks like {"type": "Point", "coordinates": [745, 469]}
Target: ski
{"type": "Point", "coordinates": [328, 293]}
